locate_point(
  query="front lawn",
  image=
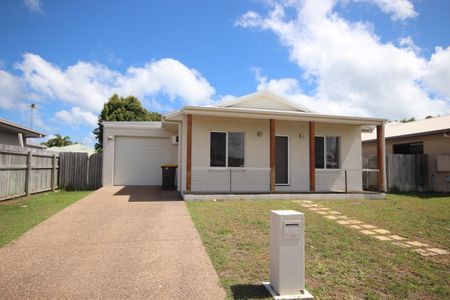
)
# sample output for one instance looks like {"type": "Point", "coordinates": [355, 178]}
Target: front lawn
{"type": "Point", "coordinates": [340, 261]}
{"type": "Point", "coordinates": [20, 215]}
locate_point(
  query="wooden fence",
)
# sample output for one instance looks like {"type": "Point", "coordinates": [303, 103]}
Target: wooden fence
{"type": "Point", "coordinates": [24, 171]}
{"type": "Point", "coordinates": [406, 172]}
{"type": "Point", "coordinates": [80, 171]}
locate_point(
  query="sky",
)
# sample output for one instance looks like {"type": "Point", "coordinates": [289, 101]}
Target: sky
{"type": "Point", "coordinates": [380, 58]}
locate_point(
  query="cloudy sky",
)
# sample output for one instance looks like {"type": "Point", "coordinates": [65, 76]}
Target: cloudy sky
{"type": "Point", "coordinates": [383, 58]}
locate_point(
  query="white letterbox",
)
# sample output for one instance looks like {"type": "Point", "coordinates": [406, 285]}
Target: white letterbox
{"type": "Point", "coordinates": [287, 258]}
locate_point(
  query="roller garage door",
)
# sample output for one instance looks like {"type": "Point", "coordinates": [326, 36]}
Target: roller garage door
{"type": "Point", "coordinates": [137, 160]}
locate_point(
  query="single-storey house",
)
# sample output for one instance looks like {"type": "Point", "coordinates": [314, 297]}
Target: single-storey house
{"type": "Point", "coordinates": [259, 143]}
{"type": "Point", "coordinates": [14, 134]}
{"type": "Point", "coordinates": [429, 136]}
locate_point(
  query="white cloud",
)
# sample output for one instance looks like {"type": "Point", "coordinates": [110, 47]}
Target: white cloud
{"type": "Point", "coordinates": [352, 70]}
{"type": "Point", "coordinates": [88, 85]}
{"type": "Point", "coordinates": [76, 117]}
{"type": "Point", "coordinates": [437, 75]}
{"type": "Point", "coordinates": [398, 9]}
{"type": "Point", "coordinates": [34, 6]}
{"type": "Point", "coordinates": [10, 89]}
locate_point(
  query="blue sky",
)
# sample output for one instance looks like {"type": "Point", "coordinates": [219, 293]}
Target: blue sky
{"type": "Point", "coordinates": [356, 57]}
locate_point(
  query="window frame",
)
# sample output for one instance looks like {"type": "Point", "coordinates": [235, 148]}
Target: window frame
{"type": "Point", "coordinates": [226, 149]}
{"type": "Point", "coordinates": [325, 152]}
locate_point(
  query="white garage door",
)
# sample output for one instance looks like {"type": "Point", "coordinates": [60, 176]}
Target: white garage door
{"type": "Point", "coordinates": [137, 160]}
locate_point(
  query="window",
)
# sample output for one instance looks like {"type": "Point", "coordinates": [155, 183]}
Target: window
{"type": "Point", "coordinates": [227, 149]}
{"type": "Point", "coordinates": [327, 152]}
{"type": "Point", "coordinates": [412, 148]}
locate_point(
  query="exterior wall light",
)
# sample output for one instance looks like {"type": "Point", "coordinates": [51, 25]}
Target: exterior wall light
{"type": "Point", "coordinates": [301, 135]}
{"type": "Point", "coordinates": [110, 138]}
{"type": "Point", "coordinates": [259, 134]}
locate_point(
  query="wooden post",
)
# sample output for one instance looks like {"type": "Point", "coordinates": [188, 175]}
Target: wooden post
{"type": "Point", "coordinates": [28, 175]}
{"type": "Point", "coordinates": [312, 157]}
{"type": "Point", "coordinates": [54, 172]}
{"type": "Point", "coordinates": [189, 153]}
{"type": "Point", "coordinates": [272, 155]}
{"type": "Point", "coordinates": [380, 158]}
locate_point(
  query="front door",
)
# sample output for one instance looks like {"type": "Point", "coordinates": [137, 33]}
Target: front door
{"type": "Point", "coordinates": [282, 160]}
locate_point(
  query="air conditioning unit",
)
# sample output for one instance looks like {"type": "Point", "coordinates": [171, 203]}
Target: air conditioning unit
{"type": "Point", "coordinates": [175, 139]}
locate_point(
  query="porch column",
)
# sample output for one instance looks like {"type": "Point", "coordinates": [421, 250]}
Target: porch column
{"type": "Point", "coordinates": [189, 153]}
{"type": "Point", "coordinates": [381, 155]}
{"type": "Point", "coordinates": [272, 155]}
{"type": "Point", "coordinates": [312, 157]}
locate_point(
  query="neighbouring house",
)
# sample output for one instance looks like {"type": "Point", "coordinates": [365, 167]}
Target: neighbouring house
{"type": "Point", "coordinates": [80, 148]}
{"type": "Point", "coordinates": [430, 137]}
{"type": "Point", "coordinates": [15, 134]}
{"type": "Point", "coordinates": [259, 143]}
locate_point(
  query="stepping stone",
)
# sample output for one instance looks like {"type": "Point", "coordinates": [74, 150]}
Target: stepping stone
{"type": "Point", "coordinates": [397, 237]}
{"type": "Point", "coordinates": [323, 208]}
{"type": "Point", "coordinates": [314, 208]}
{"type": "Point", "coordinates": [381, 231]}
{"type": "Point", "coordinates": [333, 212]}
{"type": "Point", "coordinates": [403, 245]}
{"type": "Point", "coordinates": [307, 201]}
{"type": "Point", "coordinates": [367, 232]}
{"type": "Point", "coordinates": [382, 238]}
{"type": "Point", "coordinates": [438, 250]}
{"type": "Point", "coordinates": [342, 222]}
{"type": "Point", "coordinates": [342, 217]}
{"type": "Point", "coordinates": [354, 222]}
{"type": "Point", "coordinates": [424, 252]}
{"type": "Point", "coordinates": [417, 244]}
{"type": "Point", "coordinates": [305, 205]}
{"type": "Point", "coordinates": [356, 227]}
{"type": "Point", "coordinates": [322, 212]}
{"type": "Point", "coordinates": [296, 201]}
{"type": "Point", "coordinates": [331, 217]}
{"type": "Point", "coordinates": [367, 226]}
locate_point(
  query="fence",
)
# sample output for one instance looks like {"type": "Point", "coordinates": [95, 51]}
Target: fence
{"type": "Point", "coordinates": [24, 171]}
{"type": "Point", "coordinates": [80, 171]}
{"type": "Point", "coordinates": [404, 173]}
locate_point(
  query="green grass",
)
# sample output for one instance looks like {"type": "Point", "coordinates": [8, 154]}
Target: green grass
{"type": "Point", "coordinates": [20, 215]}
{"type": "Point", "coordinates": [340, 262]}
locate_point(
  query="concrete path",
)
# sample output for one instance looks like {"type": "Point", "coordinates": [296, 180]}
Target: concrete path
{"type": "Point", "coordinates": [116, 243]}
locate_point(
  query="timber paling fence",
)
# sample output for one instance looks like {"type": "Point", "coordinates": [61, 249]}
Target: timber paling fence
{"type": "Point", "coordinates": [25, 171]}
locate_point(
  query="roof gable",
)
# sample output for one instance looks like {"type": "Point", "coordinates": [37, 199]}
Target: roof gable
{"type": "Point", "coordinates": [265, 100]}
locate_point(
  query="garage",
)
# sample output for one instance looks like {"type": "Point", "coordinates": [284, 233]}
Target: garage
{"type": "Point", "coordinates": [137, 160]}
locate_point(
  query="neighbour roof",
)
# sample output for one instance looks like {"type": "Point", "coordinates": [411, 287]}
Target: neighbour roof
{"type": "Point", "coordinates": [422, 127]}
{"type": "Point", "coordinates": [9, 126]}
{"type": "Point", "coordinates": [277, 108]}
{"type": "Point", "coordinates": [73, 148]}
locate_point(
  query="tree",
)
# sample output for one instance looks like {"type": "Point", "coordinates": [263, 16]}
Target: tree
{"type": "Point", "coordinates": [412, 119]}
{"type": "Point", "coordinates": [122, 109]}
{"type": "Point", "coordinates": [58, 141]}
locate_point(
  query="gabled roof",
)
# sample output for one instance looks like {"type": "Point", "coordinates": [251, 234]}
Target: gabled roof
{"type": "Point", "coordinates": [415, 128]}
{"type": "Point", "coordinates": [9, 126]}
{"type": "Point", "coordinates": [265, 100]}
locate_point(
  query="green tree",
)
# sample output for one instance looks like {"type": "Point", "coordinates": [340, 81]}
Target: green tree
{"type": "Point", "coordinates": [58, 141]}
{"type": "Point", "coordinates": [122, 109]}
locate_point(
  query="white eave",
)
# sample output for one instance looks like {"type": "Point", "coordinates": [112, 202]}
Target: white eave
{"type": "Point", "coordinates": [132, 124]}
{"type": "Point", "coordinates": [253, 113]}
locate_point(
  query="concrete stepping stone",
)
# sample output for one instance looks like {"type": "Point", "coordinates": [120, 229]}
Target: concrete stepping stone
{"type": "Point", "coordinates": [331, 217]}
{"type": "Point", "coordinates": [354, 222]}
{"type": "Point", "coordinates": [342, 222]}
{"type": "Point", "coordinates": [417, 244]}
{"type": "Point", "coordinates": [381, 231]}
{"type": "Point", "coordinates": [314, 208]}
{"type": "Point", "coordinates": [355, 226]}
{"type": "Point", "coordinates": [367, 232]}
{"type": "Point", "coordinates": [438, 250]}
{"type": "Point", "coordinates": [333, 212]}
{"type": "Point", "coordinates": [322, 212]}
{"type": "Point", "coordinates": [403, 245]}
{"type": "Point", "coordinates": [323, 208]}
{"type": "Point", "coordinates": [397, 237]}
{"type": "Point", "coordinates": [424, 252]}
{"type": "Point", "coordinates": [382, 238]}
{"type": "Point", "coordinates": [367, 226]}
{"type": "Point", "coordinates": [307, 201]}
{"type": "Point", "coordinates": [305, 205]}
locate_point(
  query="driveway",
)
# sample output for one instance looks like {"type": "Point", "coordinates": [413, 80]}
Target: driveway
{"type": "Point", "coordinates": [118, 242]}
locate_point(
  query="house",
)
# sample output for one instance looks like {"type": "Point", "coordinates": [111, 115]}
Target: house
{"type": "Point", "coordinates": [79, 148]}
{"type": "Point", "coordinates": [430, 137]}
{"type": "Point", "coordinates": [259, 143]}
{"type": "Point", "coordinates": [15, 134]}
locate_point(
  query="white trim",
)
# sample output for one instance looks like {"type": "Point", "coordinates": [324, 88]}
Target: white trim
{"type": "Point", "coordinates": [289, 159]}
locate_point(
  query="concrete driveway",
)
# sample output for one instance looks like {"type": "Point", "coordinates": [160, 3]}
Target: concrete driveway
{"type": "Point", "coordinates": [120, 242]}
